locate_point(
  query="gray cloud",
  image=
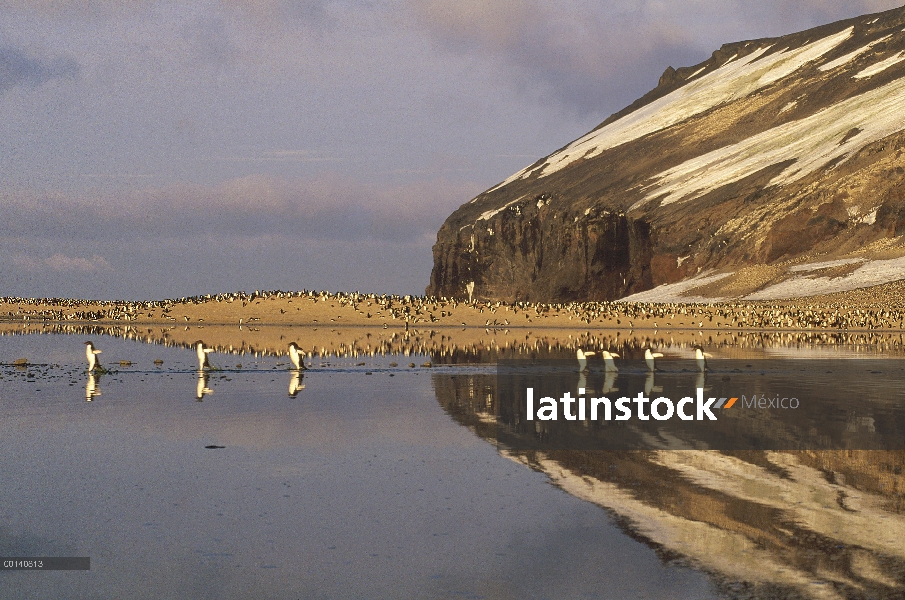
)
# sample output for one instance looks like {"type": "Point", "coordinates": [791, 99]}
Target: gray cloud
{"type": "Point", "coordinates": [19, 68]}
{"type": "Point", "coordinates": [59, 262]}
{"type": "Point", "coordinates": [597, 57]}
{"type": "Point", "coordinates": [166, 155]}
{"type": "Point", "coordinates": [326, 208]}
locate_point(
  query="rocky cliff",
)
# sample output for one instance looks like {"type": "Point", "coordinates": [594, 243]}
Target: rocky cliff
{"type": "Point", "coordinates": [776, 161]}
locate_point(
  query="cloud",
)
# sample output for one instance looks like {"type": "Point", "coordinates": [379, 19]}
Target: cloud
{"type": "Point", "coordinates": [329, 207]}
{"type": "Point", "coordinates": [600, 56]}
{"type": "Point", "coordinates": [575, 53]}
{"type": "Point", "coordinates": [18, 68]}
{"type": "Point", "coordinates": [61, 263]}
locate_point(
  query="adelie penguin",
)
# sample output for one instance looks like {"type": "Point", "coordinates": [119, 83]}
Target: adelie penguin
{"type": "Point", "coordinates": [649, 359]}
{"type": "Point", "coordinates": [91, 354]}
{"type": "Point", "coordinates": [295, 355]}
{"type": "Point", "coordinates": [202, 352]}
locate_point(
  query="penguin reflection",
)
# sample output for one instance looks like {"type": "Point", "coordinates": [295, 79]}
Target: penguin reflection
{"type": "Point", "coordinates": [702, 381]}
{"type": "Point", "coordinates": [91, 388]}
{"type": "Point", "coordinates": [609, 383]}
{"type": "Point", "coordinates": [583, 384]}
{"type": "Point", "coordinates": [649, 385]}
{"type": "Point", "coordinates": [295, 383]}
{"type": "Point", "coordinates": [201, 390]}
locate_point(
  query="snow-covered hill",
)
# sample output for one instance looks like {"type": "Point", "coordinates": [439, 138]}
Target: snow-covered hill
{"type": "Point", "coordinates": [729, 177]}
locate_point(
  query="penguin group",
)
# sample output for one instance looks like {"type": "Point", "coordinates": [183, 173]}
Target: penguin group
{"type": "Point", "coordinates": [886, 311]}
{"type": "Point", "coordinates": [649, 358]}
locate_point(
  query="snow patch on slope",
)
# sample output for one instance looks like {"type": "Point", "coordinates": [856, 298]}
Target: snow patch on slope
{"type": "Point", "coordinates": [734, 79]}
{"type": "Point", "coordinates": [875, 272]}
{"type": "Point", "coordinates": [487, 215]}
{"type": "Point", "coordinates": [880, 66]}
{"type": "Point", "coordinates": [811, 142]}
{"type": "Point", "coordinates": [674, 292]}
{"type": "Point", "coordinates": [852, 55]}
{"type": "Point", "coordinates": [827, 264]}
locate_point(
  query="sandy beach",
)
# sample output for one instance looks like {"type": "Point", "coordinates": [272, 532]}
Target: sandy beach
{"type": "Point", "coordinates": [324, 324]}
{"type": "Point", "coordinates": [876, 308]}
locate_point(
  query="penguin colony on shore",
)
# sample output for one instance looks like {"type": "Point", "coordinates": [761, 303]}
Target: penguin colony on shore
{"type": "Point", "coordinates": [424, 309]}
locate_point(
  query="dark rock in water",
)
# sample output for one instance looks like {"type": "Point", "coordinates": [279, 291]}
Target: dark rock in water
{"type": "Point", "coordinates": [772, 151]}
{"type": "Point", "coordinates": [214, 447]}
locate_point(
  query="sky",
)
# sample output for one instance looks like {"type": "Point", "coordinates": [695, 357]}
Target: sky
{"type": "Point", "coordinates": [155, 149]}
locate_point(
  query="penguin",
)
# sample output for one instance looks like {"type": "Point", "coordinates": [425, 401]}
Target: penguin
{"type": "Point", "coordinates": [649, 358]}
{"type": "Point", "coordinates": [610, 364]}
{"type": "Point", "coordinates": [296, 355]}
{"type": "Point", "coordinates": [583, 360]}
{"type": "Point", "coordinates": [202, 352]}
{"type": "Point", "coordinates": [701, 357]}
{"type": "Point", "coordinates": [91, 354]}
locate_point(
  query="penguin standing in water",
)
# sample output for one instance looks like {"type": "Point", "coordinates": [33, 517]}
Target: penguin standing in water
{"type": "Point", "coordinates": [295, 355]}
{"type": "Point", "coordinates": [609, 363]}
{"type": "Point", "coordinates": [202, 352]}
{"type": "Point", "coordinates": [583, 360]}
{"type": "Point", "coordinates": [91, 354]}
{"type": "Point", "coordinates": [649, 359]}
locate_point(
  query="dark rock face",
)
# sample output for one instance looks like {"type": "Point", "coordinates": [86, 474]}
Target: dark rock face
{"type": "Point", "coordinates": [678, 184]}
{"type": "Point", "coordinates": [535, 253]}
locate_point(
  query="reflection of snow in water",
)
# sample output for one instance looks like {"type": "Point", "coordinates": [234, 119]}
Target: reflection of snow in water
{"type": "Point", "coordinates": [807, 497]}
{"type": "Point", "coordinates": [834, 511]}
{"type": "Point", "coordinates": [715, 549]}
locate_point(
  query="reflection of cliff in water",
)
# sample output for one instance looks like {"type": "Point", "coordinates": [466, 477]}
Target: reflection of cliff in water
{"type": "Point", "coordinates": [812, 524]}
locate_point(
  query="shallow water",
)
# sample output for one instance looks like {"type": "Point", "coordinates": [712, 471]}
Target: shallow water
{"type": "Point", "coordinates": [364, 484]}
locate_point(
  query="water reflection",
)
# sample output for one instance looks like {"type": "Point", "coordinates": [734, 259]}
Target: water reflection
{"type": "Point", "coordinates": [820, 524]}
{"type": "Point", "coordinates": [202, 389]}
{"type": "Point", "coordinates": [92, 389]}
{"type": "Point", "coordinates": [295, 382]}
{"type": "Point", "coordinates": [473, 345]}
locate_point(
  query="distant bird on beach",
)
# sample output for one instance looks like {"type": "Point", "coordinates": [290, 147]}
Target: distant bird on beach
{"type": "Point", "coordinates": [295, 355]}
{"type": "Point", "coordinates": [202, 352]}
{"type": "Point", "coordinates": [649, 358]}
{"type": "Point", "coordinates": [583, 360]}
{"type": "Point", "coordinates": [701, 357]}
{"type": "Point", "coordinates": [609, 363]}
{"type": "Point", "coordinates": [91, 354]}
